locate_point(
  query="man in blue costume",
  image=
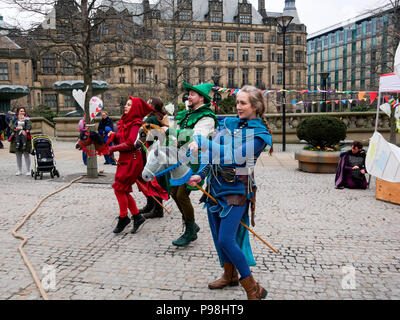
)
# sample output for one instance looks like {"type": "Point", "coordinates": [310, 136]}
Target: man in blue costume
{"type": "Point", "coordinates": [228, 161]}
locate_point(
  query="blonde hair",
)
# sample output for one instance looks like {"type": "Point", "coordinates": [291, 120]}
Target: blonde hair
{"type": "Point", "coordinates": [257, 100]}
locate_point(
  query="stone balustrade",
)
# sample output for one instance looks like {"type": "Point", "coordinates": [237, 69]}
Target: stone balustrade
{"type": "Point", "coordinates": [360, 125]}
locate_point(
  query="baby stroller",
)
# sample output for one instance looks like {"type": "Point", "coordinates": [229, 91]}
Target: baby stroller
{"type": "Point", "coordinates": [42, 150]}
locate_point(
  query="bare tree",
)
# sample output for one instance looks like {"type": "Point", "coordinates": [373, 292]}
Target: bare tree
{"type": "Point", "coordinates": [174, 38]}
{"type": "Point", "coordinates": [85, 35]}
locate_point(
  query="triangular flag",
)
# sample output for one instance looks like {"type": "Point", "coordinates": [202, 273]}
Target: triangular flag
{"type": "Point", "coordinates": [351, 100]}
{"type": "Point", "coordinates": [336, 101]}
{"type": "Point", "coordinates": [372, 96]}
{"type": "Point", "coordinates": [344, 101]}
{"type": "Point", "coordinates": [361, 95]}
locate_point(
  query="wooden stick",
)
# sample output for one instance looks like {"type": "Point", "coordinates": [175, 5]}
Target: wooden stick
{"type": "Point", "coordinates": [140, 184]}
{"type": "Point", "coordinates": [243, 224]}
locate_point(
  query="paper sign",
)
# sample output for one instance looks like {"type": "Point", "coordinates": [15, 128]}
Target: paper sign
{"type": "Point", "coordinates": [383, 159]}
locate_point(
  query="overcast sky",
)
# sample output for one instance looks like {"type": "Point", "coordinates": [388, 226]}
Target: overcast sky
{"type": "Point", "coordinates": [316, 15]}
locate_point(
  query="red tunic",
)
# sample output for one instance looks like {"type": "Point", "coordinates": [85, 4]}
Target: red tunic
{"type": "Point", "coordinates": [130, 165]}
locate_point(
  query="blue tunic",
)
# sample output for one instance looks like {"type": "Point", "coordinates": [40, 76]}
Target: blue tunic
{"type": "Point", "coordinates": [237, 145]}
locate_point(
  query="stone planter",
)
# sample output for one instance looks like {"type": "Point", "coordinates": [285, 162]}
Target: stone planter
{"type": "Point", "coordinates": [317, 161]}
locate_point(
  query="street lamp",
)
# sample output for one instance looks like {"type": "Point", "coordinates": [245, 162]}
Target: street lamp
{"type": "Point", "coordinates": [324, 76]}
{"type": "Point", "coordinates": [283, 23]}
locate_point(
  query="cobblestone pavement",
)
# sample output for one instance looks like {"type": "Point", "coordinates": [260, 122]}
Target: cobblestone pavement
{"type": "Point", "coordinates": [317, 230]}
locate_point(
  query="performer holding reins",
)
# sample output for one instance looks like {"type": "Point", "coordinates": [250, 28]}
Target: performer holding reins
{"type": "Point", "coordinates": [198, 120]}
{"type": "Point", "coordinates": [130, 162]}
{"type": "Point", "coordinates": [228, 161]}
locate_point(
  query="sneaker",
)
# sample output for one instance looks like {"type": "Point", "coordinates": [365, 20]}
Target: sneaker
{"type": "Point", "coordinates": [138, 221]}
{"type": "Point", "coordinates": [18, 173]}
{"type": "Point", "coordinates": [28, 173]}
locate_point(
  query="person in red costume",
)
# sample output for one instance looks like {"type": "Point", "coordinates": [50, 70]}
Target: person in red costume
{"type": "Point", "coordinates": [130, 162]}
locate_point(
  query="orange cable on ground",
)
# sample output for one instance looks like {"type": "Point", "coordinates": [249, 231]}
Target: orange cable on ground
{"type": "Point", "coordinates": [25, 240]}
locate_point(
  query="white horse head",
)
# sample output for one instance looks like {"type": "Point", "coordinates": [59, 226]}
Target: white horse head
{"type": "Point", "coordinates": [161, 158]}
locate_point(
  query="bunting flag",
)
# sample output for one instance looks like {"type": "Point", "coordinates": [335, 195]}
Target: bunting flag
{"type": "Point", "coordinates": [220, 89]}
{"type": "Point", "coordinates": [361, 95]}
{"type": "Point", "coordinates": [372, 96]}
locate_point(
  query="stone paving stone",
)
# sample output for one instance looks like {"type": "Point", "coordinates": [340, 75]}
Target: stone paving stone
{"type": "Point", "coordinates": [316, 229]}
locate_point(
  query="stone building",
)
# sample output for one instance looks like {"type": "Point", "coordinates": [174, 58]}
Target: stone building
{"type": "Point", "coordinates": [227, 42]}
{"type": "Point", "coordinates": [352, 54]}
{"type": "Point", "coordinates": [15, 71]}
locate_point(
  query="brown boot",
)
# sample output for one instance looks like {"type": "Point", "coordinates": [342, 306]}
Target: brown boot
{"type": "Point", "coordinates": [253, 289]}
{"type": "Point", "coordinates": [229, 278]}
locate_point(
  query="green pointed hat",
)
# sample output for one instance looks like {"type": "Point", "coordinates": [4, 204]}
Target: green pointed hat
{"type": "Point", "coordinates": [202, 89]}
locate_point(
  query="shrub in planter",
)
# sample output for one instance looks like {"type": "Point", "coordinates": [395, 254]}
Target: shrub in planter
{"type": "Point", "coordinates": [322, 132]}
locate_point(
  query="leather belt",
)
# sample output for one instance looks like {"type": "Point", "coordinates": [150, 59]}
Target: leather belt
{"type": "Point", "coordinates": [226, 173]}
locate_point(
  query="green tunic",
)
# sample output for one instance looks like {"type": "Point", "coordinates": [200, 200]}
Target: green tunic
{"type": "Point", "coordinates": [187, 119]}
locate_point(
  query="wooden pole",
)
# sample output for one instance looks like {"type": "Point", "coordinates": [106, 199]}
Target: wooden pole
{"type": "Point", "coordinates": [243, 224]}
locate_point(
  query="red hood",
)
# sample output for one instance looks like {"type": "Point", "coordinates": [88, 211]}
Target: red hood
{"type": "Point", "coordinates": [138, 111]}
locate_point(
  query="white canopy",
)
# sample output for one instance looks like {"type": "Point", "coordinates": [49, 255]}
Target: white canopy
{"type": "Point", "coordinates": [389, 83]}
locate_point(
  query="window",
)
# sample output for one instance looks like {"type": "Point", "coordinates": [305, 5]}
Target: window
{"type": "Point", "coordinates": [51, 100]}
{"type": "Point", "coordinates": [16, 66]}
{"type": "Point", "coordinates": [185, 15]}
{"type": "Point", "coordinates": [298, 78]}
{"type": "Point", "coordinates": [245, 77]}
{"type": "Point", "coordinates": [185, 35]}
{"type": "Point", "coordinates": [245, 55]}
{"type": "Point", "coordinates": [121, 70]}
{"type": "Point", "coordinates": [201, 35]}
{"type": "Point", "coordinates": [69, 102]}
{"type": "Point", "coordinates": [120, 28]}
{"type": "Point", "coordinates": [299, 41]}
{"type": "Point", "coordinates": [279, 77]}
{"type": "Point", "coordinates": [170, 78]}
{"type": "Point", "coordinates": [259, 55]}
{"type": "Point", "coordinates": [186, 75]}
{"type": "Point", "coordinates": [245, 37]}
{"type": "Point", "coordinates": [105, 29]}
{"type": "Point", "coordinates": [288, 41]}
{"type": "Point", "coordinates": [259, 76]}
{"type": "Point", "coordinates": [3, 71]}
{"type": "Point", "coordinates": [259, 37]}
{"type": "Point", "coordinates": [185, 53]}
{"type": "Point", "coordinates": [230, 36]}
{"type": "Point", "coordinates": [121, 79]}
{"type": "Point", "coordinates": [245, 19]}
{"type": "Point", "coordinates": [49, 64]}
{"type": "Point", "coordinates": [216, 17]}
{"type": "Point", "coordinates": [142, 75]}
{"type": "Point", "coordinates": [170, 53]}
{"type": "Point", "coordinates": [215, 35]}
{"type": "Point", "coordinates": [231, 54]}
{"type": "Point", "coordinates": [231, 77]}
{"type": "Point", "coordinates": [67, 62]}
{"type": "Point", "coordinates": [279, 57]}
{"type": "Point", "coordinates": [299, 56]}
{"type": "Point", "coordinates": [200, 53]}
{"type": "Point", "coordinates": [202, 75]}
{"type": "Point", "coordinates": [215, 54]}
